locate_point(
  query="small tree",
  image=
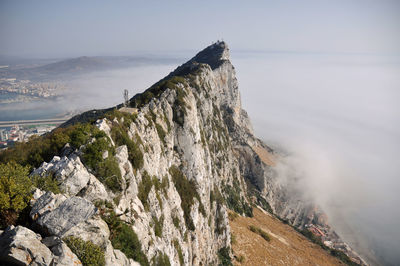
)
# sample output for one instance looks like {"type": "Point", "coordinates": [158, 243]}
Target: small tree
{"type": "Point", "coordinates": [15, 191]}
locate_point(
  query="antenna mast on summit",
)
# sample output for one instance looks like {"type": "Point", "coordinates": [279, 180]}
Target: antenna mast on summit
{"type": "Point", "coordinates": [126, 98]}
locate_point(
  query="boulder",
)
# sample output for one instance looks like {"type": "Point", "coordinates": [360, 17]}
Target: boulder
{"type": "Point", "coordinates": [69, 213]}
{"type": "Point", "coordinates": [63, 254]}
{"type": "Point", "coordinates": [46, 203]}
{"type": "Point", "coordinates": [21, 246]}
{"type": "Point", "coordinates": [94, 229]}
{"type": "Point", "coordinates": [95, 190]}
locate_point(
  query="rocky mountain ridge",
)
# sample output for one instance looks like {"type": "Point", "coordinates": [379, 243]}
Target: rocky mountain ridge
{"type": "Point", "coordinates": [165, 171]}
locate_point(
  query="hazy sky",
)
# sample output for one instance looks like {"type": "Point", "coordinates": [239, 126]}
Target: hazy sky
{"type": "Point", "coordinates": [74, 28]}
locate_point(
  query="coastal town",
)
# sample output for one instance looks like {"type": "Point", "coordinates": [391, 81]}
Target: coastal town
{"type": "Point", "coordinates": [10, 135]}
{"type": "Point", "coordinates": [23, 90]}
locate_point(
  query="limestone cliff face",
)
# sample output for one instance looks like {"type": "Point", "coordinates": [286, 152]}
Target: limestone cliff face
{"type": "Point", "coordinates": [189, 126]}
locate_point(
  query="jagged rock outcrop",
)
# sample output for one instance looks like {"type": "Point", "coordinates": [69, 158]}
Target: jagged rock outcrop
{"type": "Point", "coordinates": [184, 154]}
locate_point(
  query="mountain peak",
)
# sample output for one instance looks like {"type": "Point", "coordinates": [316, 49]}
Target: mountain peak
{"type": "Point", "coordinates": [213, 55]}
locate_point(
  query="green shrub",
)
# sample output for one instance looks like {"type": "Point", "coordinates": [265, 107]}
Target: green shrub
{"type": "Point", "coordinates": [161, 259]}
{"type": "Point", "coordinates": [46, 183]}
{"type": "Point", "coordinates": [343, 257]}
{"type": "Point", "coordinates": [219, 222]}
{"type": "Point", "coordinates": [144, 188]}
{"type": "Point", "coordinates": [126, 117]}
{"type": "Point", "coordinates": [124, 238]}
{"type": "Point", "coordinates": [87, 252]}
{"type": "Point", "coordinates": [108, 173]}
{"type": "Point", "coordinates": [119, 134]}
{"type": "Point", "coordinates": [158, 225]}
{"type": "Point", "coordinates": [15, 191]}
{"type": "Point", "coordinates": [260, 232]}
{"type": "Point", "coordinates": [175, 221]}
{"type": "Point", "coordinates": [224, 257]}
{"type": "Point", "coordinates": [106, 170]}
{"type": "Point", "coordinates": [165, 185]}
{"type": "Point", "coordinates": [235, 202]}
{"type": "Point", "coordinates": [156, 90]}
{"type": "Point", "coordinates": [161, 133]}
{"type": "Point", "coordinates": [187, 191]}
{"type": "Point", "coordinates": [179, 251]}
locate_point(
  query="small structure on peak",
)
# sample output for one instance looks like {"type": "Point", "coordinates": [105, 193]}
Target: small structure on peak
{"type": "Point", "coordinates": [126, 98]}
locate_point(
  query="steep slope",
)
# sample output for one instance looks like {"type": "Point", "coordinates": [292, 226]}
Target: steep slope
{"type": "Point", "coordinates": [286, 245]}
{"type": "Point", "coordinates": [152, 183]}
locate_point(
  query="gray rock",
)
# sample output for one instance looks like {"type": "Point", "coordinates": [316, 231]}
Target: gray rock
{"type": "Point", "coordinates": [69, 171]}
{"type": "Point", "coordinates": [63, 254]}
{"type": "Point", "coordinates": [68, 214]}
{"type": "Point", "coordinates": [21, 246]}
{"type": "Point", "coordinates": [95, 190]}
{"type": "Point", "coordinates": [94, 229]}
{"type": "Point", "coordinates": [46, 203]}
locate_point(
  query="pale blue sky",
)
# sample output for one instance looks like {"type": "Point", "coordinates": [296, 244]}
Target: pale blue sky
{"type": "Point", "coordinates": [75, 28]}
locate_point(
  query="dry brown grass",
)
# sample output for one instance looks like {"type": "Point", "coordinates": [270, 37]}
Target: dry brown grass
{"type": "Point", "coordinates": [265, 156]}
{"type": "Point", "coordinates": [286, 246]}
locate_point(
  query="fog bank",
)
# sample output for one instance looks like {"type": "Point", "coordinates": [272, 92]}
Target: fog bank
{"type": "Point", "coordinates": [338, 117]}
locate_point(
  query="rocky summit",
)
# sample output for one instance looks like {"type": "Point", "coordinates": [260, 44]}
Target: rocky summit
{"type": "Point", "coordinates": [159, 181]}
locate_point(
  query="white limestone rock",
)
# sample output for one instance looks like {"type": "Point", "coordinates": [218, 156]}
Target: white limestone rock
{"type": "Point", "coordinates": [93, 229]}
{"type": "Point", "coordinates": [21, 246]}
{"type": "Point", "coordinates": [46, 203]}
{"type": "Point", "coordinates": [67, 215]}
{"type": "Point", "coordinates": [63, 255]}
{"type": "Point", "coordinates": [69, 172]}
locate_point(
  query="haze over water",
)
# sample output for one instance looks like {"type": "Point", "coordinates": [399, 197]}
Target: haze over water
{"type": "Point", "coordinates": [338, 117]}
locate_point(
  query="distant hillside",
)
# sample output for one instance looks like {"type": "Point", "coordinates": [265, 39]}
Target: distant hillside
{"type": "Point", "coordinates": [74, 65]}
{"type": "Point", "coordinates": [80, 65]}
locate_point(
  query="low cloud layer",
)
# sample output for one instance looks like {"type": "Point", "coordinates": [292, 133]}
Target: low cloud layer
{"type": "Point", "coordinates": [338, 117]}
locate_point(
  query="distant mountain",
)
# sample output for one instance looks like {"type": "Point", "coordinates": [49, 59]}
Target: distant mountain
{"type": "Point", "coordinates": [83, 63]}
{"type": "Point", "coordinates": [80, 65]}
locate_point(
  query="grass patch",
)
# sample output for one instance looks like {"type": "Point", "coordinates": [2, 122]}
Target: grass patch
{"type": "Point", "coordinates": [260, 232]}
{"type": "Point", "coordinates": [232, 216]}
{"type": "Point", "coordinates": [240, 259]}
